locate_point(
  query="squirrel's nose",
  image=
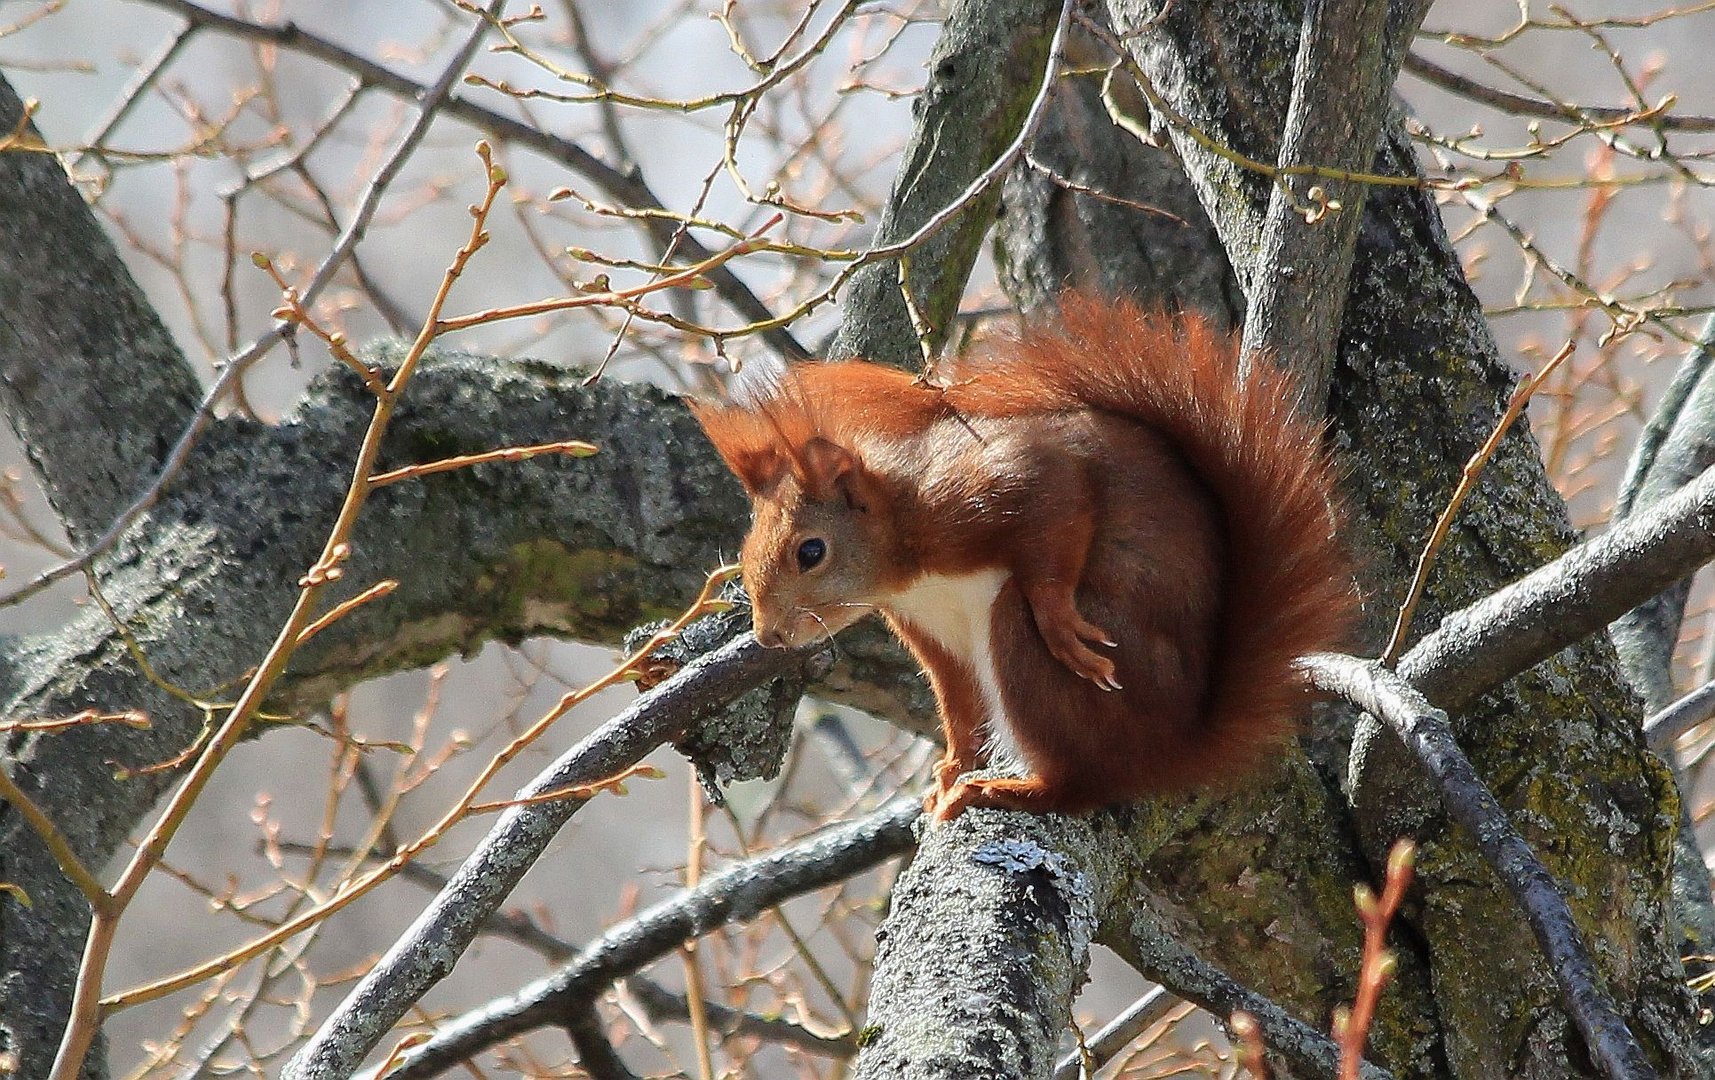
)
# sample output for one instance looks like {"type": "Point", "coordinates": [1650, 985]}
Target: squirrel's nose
{"type": "Point", "coordinates": [771, 637]}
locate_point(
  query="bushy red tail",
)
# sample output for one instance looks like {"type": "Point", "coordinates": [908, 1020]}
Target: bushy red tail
{"type": "Point", "coordinates": [1288, 586]}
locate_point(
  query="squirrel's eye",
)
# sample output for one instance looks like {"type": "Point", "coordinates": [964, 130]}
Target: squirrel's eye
{"type": "Point", "coordinates": [811, 552]}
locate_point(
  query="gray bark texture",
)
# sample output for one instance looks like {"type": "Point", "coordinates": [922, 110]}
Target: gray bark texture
{"type": "Point", "coordinates": [983, 73]}
{"type": "Point", "coordinates": [991, 925]}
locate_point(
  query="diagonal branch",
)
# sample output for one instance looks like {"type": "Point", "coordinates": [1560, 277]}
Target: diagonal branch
{"type": "Point", "coordinates": [1424, 728]}
{"type": "Point", "coordinates": [1161, 956]}
{"type": "Point", "coordinates": [426, 952]}
{"type": "Point", "coordinates": [1519, 104]}
{"type": "Point", "coordinates": [740, 892]}
{"type": "Point", "coordinates": [1570, 598]}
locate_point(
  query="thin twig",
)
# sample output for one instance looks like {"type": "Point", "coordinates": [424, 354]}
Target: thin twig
{"type": "Point", "coordinates": [1434, 73]}
{"type": "Point", "coordinates": [143, 78]}
{"type": "Point", "coordinates": [626, 187]}
{"type": "Point", "coordinates": [65, 856]}
{"type": "Point", "coordinates": [1352, 1027]}
{"type": "Point", "coordinates": [346, 607]}
{"type": "Point", "coordinates": [1521, 396]}
{"type": "Point", "coordinates": [131, 718]}
{"type": "Point", "coordinates": [569, 447]}
{"type": "Point", "coordinates": [695, 994]}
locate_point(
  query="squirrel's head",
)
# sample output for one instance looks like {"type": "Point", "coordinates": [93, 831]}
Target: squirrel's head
{"type": "Point", "coordinates": [821, 544]}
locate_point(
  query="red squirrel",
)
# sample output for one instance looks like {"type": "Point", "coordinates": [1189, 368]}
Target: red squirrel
{"type": "Point", "coordinates": [1104, 549]}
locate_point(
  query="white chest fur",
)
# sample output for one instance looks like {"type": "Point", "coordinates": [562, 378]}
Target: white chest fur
{"type": "Point", "coordinates": [955, 611]}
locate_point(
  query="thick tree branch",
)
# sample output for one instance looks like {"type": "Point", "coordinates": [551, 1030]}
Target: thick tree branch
{"type": "Point", "coordinates": [79, 341]}
{"type": "Point", "coordinates": [1348, 57]}
{"type": "Point", "coordinates": [987, 940]}
{"type": "Point", "coordinates": [344, 247]}
{"type": "Point", "coordinates": [1675, 445]}
{"type": "Point", "coordinates": [1092, 208]}
{"type": "Point", "coordinates": [1476, 648]}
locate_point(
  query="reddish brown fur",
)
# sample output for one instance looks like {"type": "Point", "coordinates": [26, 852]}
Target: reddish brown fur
{"type": "Point", "coordinates": [1114, 472]}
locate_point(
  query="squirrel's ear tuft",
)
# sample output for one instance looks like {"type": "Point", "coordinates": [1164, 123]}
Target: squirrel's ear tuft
{"type": "Point", "coordinates": [746, 442]}
{"type": "Point", "coordinates": [759, 469]}
{"type": "Point", "coordinates": [831, 471]}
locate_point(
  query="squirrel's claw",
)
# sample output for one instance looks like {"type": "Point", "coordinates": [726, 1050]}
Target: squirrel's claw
{"type": "Point", "coordinates": [1066, 633]}
{"type": "Point", "coordinates": [1080, 659]}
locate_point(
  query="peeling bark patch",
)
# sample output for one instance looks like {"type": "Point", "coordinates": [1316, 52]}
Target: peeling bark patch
{"type": "Point", "coordinates": [1063, 894]}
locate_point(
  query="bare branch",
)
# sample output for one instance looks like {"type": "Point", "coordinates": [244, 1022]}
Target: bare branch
{"type": "Point", "coordinates": [1506, 101]}
{"type": "Point", "coordinates": [1397, 703]}
{"type": "Point", "coordinates": [739, 892]}
{"type": "Point", "coordinates": [1138, 1017]}
{"type": "Point", "coordinates": [1663, 728]}
{"type": "Point", "coordinates": [1675, 445]}
{"type": "Point", "coordinates": [1568, 599]}
{"type": "Point", "coordinates": [1162, 957]}
{"type": "Point", "coordinates": [596, 1056]}
{"type": "Point", "coordinates": [626, 188]}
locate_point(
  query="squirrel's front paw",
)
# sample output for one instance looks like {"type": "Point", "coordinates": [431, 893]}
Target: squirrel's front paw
{"type": "Point", "coordinates": [948, 803]}
{"type": "Point", "coordinates": [1068, 647]}
{"type": "Point", "coordinates": [1065, 631]}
